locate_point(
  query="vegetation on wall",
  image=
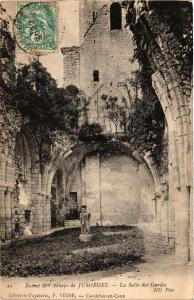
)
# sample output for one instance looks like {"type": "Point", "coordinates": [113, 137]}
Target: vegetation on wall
{"type": "Point", "coordinates": [176, 18]}
{"type": "Point", "coordinates": [7, 54]}
{"type": "Point", "coordinates": [38, 98]}
{"type": "Point", "coordinates": [166, 26]}
{"type": "Point", "coordinates": [115, 110]}
{"type": "Point", "coordinates": [91, 132]}
{"type": "Point", "coordinates": [162, 30]}
{"type": "Point", "coordinates": [141, 117]}
{"type": "Point", "coordinates": [48, 110]}
{"type": "Point", "coordinates": [146, 118]}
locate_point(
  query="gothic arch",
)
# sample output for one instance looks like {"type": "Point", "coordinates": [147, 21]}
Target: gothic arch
{"type": "Point", "coordinates": [79, 154]}
{"type": "Point", "coordinates": [174, 96]}
{"type": "Point", "coordinates": [103, 151]}
{"type": "Point", "coordinates": [51, 168]}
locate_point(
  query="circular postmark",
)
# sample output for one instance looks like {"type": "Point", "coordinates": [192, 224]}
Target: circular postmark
{"type": "Point", "coordinates": [35, 27]}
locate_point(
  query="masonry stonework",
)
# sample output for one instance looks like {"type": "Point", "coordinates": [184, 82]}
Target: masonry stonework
{"type": "Point", "coordinates": [104, 51]}
{"type": "Point", "coordinates": [121, 187]}
{"type": "Point", "coordinates": [171, 80]}
{"type": "Point", "coordinates": [71, 63]}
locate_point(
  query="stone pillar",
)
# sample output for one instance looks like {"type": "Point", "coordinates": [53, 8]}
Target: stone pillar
{"type": "Point", "coordinates": [41, 212]}
{"type": "Point", "coordinates": [37, 211]}
{"type": "Point", "coordinates": [154, 202]}
{"type": "Point", "coordinates": [92, 179]}
{"type": "Point", "coordinates": [13, 212]}
{"type": "Point", "coordinates": [179, 198]}
{"type": "Point", "coordinates": [2, 212]}
{"type": "Point", "coordinates": [191, 226]}
{"type": "Point", "coordinates": [157, 202]}
{"type": "Point", "coordinates": [48, 212]}
{"type": "Point", "coordinates": [178, 143]}
{"type": "Point", "coordinates": [182, 215]}
{"type": "Point", "coordinates": [83, 184]}
{"type": "Point", "coordinates": [43, 208]}
{"type": "Point", "coordinates": [8, 213]}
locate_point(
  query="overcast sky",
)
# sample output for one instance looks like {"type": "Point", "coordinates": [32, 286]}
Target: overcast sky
{"type": "Point", "coordinates": [68, 20]}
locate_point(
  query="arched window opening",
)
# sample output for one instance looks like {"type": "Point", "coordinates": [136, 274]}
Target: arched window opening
{"type": "Point", "coordinates": [115, 16]}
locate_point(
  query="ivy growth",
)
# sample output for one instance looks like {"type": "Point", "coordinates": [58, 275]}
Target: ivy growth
{"type": "Point", "coordinates": [47, 108]}
{"type": "Point", "coordinates": [146, 123]}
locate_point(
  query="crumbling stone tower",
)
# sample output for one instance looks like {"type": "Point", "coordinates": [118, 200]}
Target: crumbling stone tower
{"type": "Point", "coordinates": [100, 66]}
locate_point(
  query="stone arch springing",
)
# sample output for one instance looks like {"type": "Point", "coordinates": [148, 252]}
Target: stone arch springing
{"type": "Point", "coordinates": [115, 16]}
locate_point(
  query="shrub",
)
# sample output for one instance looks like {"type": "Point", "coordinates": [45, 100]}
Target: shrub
{"type": "Point", "coordinates": [91, 132]}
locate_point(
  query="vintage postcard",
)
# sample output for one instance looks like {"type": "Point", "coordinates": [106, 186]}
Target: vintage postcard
{"type": "Point", "coordinates": [96, 150]}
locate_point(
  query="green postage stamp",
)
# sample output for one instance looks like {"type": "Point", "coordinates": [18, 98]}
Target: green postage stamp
{"type": "Point", "coordinates": [36, 26]}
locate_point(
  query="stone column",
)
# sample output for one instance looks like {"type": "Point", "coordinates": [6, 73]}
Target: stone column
{"type": "Point", "coordinates": [8, 213]}
{"type": "Point", "coordinates": [154, 202]}
{"type": "Point", "coordinates": [48, 212]}
{"type": "Point", "coordinates": [191, 226]}
{"type": "Point", "coordinates": [83, 184]}
{"type": "Point", "coordinates": [179, 197]}
{"type": "Point", "coordinates": [182, 225]}
{"type": "Point", "coordinates": [37, 221]}
{"type": "Point", "coordinates": [93, 189]}
{"type": "Point", "coordinates": [41, 212]}
{"type": "Point", "coordinates": [178, 141]}
{"type": "Point", "coordinates": [43, 208]}
{"type": "Point", "coordinates": [157, 209]}
{"type": "Point", "coordinates": [13, 212]}
{"type": "Point", "coordinates": [2, 212]}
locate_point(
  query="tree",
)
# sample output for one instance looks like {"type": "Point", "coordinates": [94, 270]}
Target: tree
{"type": "Point", "coordinates": [38, 98]}
{"type": "Point", "coordinates": [7, 53]}
{"type": "Point", "coordinates": [47, 108]}
{"type": "Point", "coordinates": [115, 112]}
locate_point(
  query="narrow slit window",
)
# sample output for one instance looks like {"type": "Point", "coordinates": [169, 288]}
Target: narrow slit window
{"type": "Point", "coordinates": [94, 16]}
{"type": "Point", "coordinates": [96, 76]}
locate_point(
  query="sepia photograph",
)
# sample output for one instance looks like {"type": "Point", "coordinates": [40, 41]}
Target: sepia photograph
{"type": "Point", "coordinates": [96, 150]}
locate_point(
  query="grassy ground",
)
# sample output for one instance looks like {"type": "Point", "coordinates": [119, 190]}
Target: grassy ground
{"type": "Point", "coordinates": [63, 253]}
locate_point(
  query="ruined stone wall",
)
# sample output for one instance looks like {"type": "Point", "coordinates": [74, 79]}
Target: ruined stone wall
{"type": "Point", "coordinates": [12, 126]}
{"type": "Point", "coordinates": [171, 80]}
{"type": "Point", "coordinates": [116, 189]}
{"type": "Point", "coordinates": [71, 66]}
{"type": "Point", "coordinates": [12, 198]}
{"type": "Point", "coordinates": [101, 49]}
{"type": "Point", "coordinates": [10, 123]}
{"type": "Point", "coordinates": [106, 51]}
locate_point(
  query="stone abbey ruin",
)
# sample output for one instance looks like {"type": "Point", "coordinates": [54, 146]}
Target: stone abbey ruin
{"type": "Point", "coordinates": [124, 147]}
